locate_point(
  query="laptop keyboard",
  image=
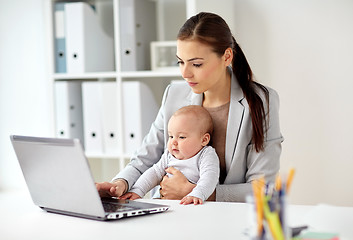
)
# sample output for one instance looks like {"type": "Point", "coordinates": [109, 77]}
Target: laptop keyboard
{"type": "Point", "coordinates": [115, 207]}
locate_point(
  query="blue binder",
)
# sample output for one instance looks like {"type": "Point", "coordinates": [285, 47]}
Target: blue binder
{"type": "Point", "coordinates": [60, 40]}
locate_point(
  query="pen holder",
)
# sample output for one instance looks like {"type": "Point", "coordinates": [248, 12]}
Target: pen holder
{"type": "Point", "coordinates": [272, 222]}
{"type": "Point", "coordinates": [268, 211]}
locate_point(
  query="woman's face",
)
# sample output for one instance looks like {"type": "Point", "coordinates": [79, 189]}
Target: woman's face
{"type": "Point", "coordinates": [200, 66]}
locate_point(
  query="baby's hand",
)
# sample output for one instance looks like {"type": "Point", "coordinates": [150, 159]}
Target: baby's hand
{"type": "Point", "coordinates": [190, 199]}
{"type": "Point", "coordinates": [130, 195]}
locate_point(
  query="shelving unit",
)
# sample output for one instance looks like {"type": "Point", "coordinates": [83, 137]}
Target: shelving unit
{"type": "Point", "coordinates": [102, 164]}
{"type": "Point", "coordinates": [169, 16]}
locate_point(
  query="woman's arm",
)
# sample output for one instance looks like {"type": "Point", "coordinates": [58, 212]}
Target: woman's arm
{"type": "Point", "coordinates": [150, 151]}
{"type": "Point", "coordinates": [265, 164]}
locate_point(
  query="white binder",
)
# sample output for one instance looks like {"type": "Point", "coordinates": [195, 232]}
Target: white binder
{"type": "Point", "coordinates": [140, 110]}
{"type": "Point", "coordinates": [88, 47]}
{"type": "Point", "coordinates": [60, 41]}
{"type": "Point", "coordinates": [68, 110]}
{"type": "Point", "coordinates": [110, 122]}
{"type": "Point", "coordinates": [137, 30]}
{"type": "Point", "coordinates": [92, 118]}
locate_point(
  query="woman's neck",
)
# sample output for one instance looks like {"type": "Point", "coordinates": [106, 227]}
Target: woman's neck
{"type": "Point", "coordinates": [219, 95]}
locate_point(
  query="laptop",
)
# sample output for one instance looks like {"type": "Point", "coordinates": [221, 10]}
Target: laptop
{"type": "Point", "coordinates": [59, 180]}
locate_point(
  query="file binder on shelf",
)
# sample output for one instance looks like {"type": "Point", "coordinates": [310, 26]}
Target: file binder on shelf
{"type": "Point", "coordinates": [137, 30]}
{"type": "Point", "coordinates": [88, 47]}
{"type": "Point", "coordinates": [109, 104]}
{"type": "Point", "coordinates": [60, 41]}
{"type": "Point", "coordinates": [92, 117]}
{"type": "Point", "coordinates": [68, 110]}
{"type": "Point", "coordinates": [140, 110]}
{"type": "Point", "coordinates": [100, 111]}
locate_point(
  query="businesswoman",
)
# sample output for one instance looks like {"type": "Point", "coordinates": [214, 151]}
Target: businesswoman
{"type": "Point", "coordinates": [247, 135]}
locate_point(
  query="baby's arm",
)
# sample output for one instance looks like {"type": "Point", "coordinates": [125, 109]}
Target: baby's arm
{"type": "Point", "coordinates": [209, 175]}
{"type": "Point", "coordinates": [150, 178]}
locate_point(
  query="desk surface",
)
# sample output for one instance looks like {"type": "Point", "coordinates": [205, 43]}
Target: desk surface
{"type": "Point", "coordinates": [21, 219]}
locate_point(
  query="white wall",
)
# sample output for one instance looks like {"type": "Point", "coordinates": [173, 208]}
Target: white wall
{"type": "Point", "coordinates": [25, 99]}
{"type": "Point", "coordinates": [304, 50]}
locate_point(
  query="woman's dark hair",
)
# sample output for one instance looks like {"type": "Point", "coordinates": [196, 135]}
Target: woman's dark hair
{"type": "Point", "coordinates": [211, 29]}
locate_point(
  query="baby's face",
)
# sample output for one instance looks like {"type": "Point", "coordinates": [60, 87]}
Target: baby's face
{"type": "Point", "coordinates": [185, 138]}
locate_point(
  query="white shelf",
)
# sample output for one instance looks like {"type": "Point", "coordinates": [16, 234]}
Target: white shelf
{"type": "Point", "coordinates": [92, 75]}
{"type": "Point", "coordinates": [130, 74]}
{"type": "Point", "coordinates": [150, 74]}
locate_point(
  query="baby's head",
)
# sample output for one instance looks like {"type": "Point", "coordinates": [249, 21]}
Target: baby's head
{"type": "Point", "coordinates": [189, 130]}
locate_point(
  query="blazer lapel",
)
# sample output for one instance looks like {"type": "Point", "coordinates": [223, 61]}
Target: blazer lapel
{"type": "Point", "coordinates": [235, 118]}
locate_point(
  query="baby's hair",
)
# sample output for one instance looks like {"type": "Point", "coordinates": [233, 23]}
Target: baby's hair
{"type": "Point", "coordinates": [201, 114]}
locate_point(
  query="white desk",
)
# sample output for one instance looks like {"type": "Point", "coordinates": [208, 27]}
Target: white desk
{"type": "Point", "coordinates": [21, 219]}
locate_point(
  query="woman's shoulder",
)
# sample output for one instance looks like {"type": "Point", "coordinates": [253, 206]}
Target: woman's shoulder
{"type": "Point", "coordinates": [178, 94]}
{"type": "Point", "coordinates": [270, 98]}
{"type": "Point", "coordinates": [267, 92]}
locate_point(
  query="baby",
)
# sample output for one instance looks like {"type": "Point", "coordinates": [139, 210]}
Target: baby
{"type": "Point", "coordinates": [189, 131]}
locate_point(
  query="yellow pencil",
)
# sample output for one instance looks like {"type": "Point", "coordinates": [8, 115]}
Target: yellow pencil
{"type": "Point", "coordinates": [258, 189]}
{"type": "Point", "coordinates": [278, 183]}
{"type": "Point", "coordinates": [290, 179]}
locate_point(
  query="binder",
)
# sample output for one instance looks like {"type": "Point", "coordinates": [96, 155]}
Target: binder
{"type": "Point", "coordinates": [88, 47]}
{"type": "Point", "coordinates": [60, 41]}
{"type": "Point", "coordinates": [137, 30]}
{"type": "Point", "coordinates": [140, 110]}
{"type": "Point", "coordinates": [68, 110]}
{"type": "Point", "coordinates": [110, 122]}
{"type": "Point", "coordinates": [92, 118]}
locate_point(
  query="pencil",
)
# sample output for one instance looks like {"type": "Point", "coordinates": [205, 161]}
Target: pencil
{"type": "Point", "coordinates": [290, 179]}
{"type": "Point", "coordinates": [278, 183]}
{"type": "Point", "coordinates": [258, 189]}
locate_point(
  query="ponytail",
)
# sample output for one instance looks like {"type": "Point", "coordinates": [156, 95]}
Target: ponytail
{"type": "Point", "coordinates": [244, 75]}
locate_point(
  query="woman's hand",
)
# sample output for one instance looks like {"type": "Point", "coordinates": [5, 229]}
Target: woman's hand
{"type": "Point", "coordinates": [130, 196]}
{"type": "Point", "coordinates": [114, 189]}
{"type": "Point", "coordinates": [175, 187]}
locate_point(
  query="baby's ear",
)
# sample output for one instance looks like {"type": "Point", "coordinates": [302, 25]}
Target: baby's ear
{"type": "Point", "coordinates": [206, 139]}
